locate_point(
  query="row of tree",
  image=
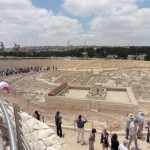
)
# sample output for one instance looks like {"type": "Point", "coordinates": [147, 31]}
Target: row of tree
{"type": "Point", "coordinates": [91, 52]}
{"type": "Point", "coordinates": [15, 49]}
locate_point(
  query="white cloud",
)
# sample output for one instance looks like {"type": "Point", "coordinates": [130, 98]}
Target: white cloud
{"type": "Point", "coordinates": [21, 22]}
{"type": "Point", "coordinates": [114, 22]}
{"type": "Point", "coordinates": [95, 7]}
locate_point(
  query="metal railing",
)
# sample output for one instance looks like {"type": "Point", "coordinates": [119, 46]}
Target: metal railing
{"type": "Point", "coordinates": [71, 122]}
{"type": "Point", "coordinates": [12, 138]}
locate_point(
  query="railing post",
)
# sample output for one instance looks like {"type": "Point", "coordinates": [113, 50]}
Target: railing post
{"type": "Point", "coordinates": [1, 141]}
{"type": "Point", "coordinates": [92, 125]}
{"type": "Point", "coordinates": [18, 126]}
{"type": "Point", "coordinates": [43, 118]}
{"type": "Point", "coordinates": [74, 125]}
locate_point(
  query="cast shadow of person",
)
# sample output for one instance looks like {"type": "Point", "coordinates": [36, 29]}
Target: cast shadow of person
{"type": "Point", "coordinates": [133, 148]}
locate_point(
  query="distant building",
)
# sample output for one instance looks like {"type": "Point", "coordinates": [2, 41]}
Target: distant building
{"type": "Point", "coordinates": [141, 57]}
{"type": "Point", "coordinates": [131, 57]}
{"type": "Point", "coordinates": [112, 56]}
{"type": "Point", "coordinates": [136, 57]}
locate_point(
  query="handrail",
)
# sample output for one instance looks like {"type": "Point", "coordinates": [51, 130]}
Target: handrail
{"type": "Point", "coordinates": [12, 138]}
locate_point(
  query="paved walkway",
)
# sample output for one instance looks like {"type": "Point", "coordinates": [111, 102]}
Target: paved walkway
{"type": "Point", "coordinates": [70, 139]}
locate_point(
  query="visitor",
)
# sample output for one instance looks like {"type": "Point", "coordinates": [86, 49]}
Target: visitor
{"type": "Point", "coordinates": [114, 142]}
{"type": "Point", "coordinates": [140, 119]}
{"type": "Point", "coordinates": [80, 126]}
{"type": "Point", "coordinates": [148, 131]}
{"type": "Point", "coordinates": [104, 139]}
{"type": "Point", "coordinates": [58, 122]}
{"type": "Point", "coordinates": [5, 86]}
{"type": "Point", "coordinates": [124, 146]}
{"type": "Point", "coordinates": [92, 139]}
{"type": "Point", "coordinates": [133, 134]}
{"type": "Point", "coordinates": [129, 119]}
{"type": "Point", "coordinates": [36, 115]}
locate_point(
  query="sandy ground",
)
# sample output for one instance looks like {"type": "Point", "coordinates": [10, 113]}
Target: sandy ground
{"type": "Point", "coordinates": [71, 135]}
{"type": "Point", "coordinates": [74, 64]}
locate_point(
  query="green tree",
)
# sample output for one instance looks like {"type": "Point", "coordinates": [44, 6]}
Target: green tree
{"type": "Point", "coordinates": [16, 48]}
{"type": "Point", "coordinates": [2, 47]}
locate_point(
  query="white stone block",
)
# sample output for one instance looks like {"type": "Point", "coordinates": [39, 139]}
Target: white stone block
{"type": "Point", "coordinates": [45, 133]}
{"type": "Point", "coordinates": [25, 116]}
{"type": "Point", "coordinates": [37, 127]}
{"type": "Point", "coordinates": [41, 145]}
{"type": "Point", "coordinates": [43, 125]}
{"type": "Point", "coordinates": [31, 122]}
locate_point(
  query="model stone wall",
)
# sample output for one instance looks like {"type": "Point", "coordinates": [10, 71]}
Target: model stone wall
{"type": "Point", "coordinates": [101, 106]}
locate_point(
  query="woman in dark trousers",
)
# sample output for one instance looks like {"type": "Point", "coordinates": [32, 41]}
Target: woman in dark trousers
{"type": "Point", "coordinates": [58, 123]}
{"type": "Point", "coordinates": [114, 142]}
{"type": "Point", "coordinates": [148, 131]}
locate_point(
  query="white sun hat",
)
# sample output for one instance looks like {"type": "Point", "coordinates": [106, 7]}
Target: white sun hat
{"type": "Point", "coordinates": [5, 86]}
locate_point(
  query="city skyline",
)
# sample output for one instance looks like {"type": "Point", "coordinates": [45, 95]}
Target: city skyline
{"type": "Point", "coordinates": [55, 22]}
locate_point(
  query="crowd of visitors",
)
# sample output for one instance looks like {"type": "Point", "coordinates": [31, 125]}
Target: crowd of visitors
{"type": "Point", "coordinates": [19, 70]}
{"type": "Point", "coordinates": [134, 127]}
{"type": "Point", "coordinates": [107, 141]}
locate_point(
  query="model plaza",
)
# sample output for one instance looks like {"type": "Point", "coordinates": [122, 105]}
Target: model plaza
{"type": "Point", "coordinates": [103, 94]}
{"type": "Point", "coordinates": [103, 91]}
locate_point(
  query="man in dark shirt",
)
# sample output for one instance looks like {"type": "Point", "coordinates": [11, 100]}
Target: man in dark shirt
{"type": "Point", "coordinates": [58, 123]}
{"type": "Point", "coordinates": [80, 126]}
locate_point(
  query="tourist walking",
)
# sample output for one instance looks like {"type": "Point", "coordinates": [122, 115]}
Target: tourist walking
{"type": "Point", "coordinates": [148, 131]}
{"type": "Point", "coordinates": [140, 119]}
{"type": "Point", "coordinates": [114, 142]}
{"type": "Point", "coordinates": [133, 134]}
{"type": "Point", "coordinates": [92, 139]}
{"type": "Point", "coordinates": [80, 126]}
{"type": "Point", "coordinates": [58, 122]}
{"type": "Point", "coordinates": [124, 146]}
{"type": "Point", "coordinates": [104, 139]}
{"type": "Point", "coordinates": [129, 119]}
{"type": "Point", "coordinates": [36, 115]}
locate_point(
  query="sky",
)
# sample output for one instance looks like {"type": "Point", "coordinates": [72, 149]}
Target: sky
{"type": "Point", "coordinates": [55, 22]}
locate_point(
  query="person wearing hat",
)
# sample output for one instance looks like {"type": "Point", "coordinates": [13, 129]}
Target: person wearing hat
{"type": "Point", "coordinates": [129, 119]}
{"type": "Point", "coordinates": [124, 146]}
{"type": "Point", "coordinates": [140, 119]}
{"type": "Point", "coordinates": [133, 134]}
{"type": "Point", "coordinates": [5, 86]}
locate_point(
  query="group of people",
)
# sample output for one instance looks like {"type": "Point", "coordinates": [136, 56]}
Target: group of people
{"type": "Point", "coordinates": [19, 70]}
{"type": "Point", "coordinates": [134, 127]}
{"type": "Point", "coordinates": [131, 132]}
